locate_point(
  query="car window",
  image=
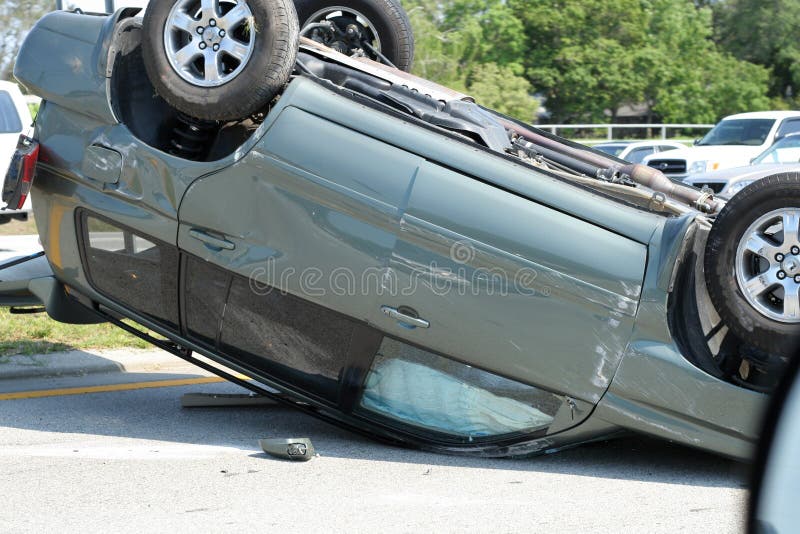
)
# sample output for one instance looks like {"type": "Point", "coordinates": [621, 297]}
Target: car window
{"type": "Point", "coordinates": [789, 126]}
{"type": "Point", "coordinates": [131, 269]}
{"type": "Point", "coordinates": [614, 150]}
{"type": "Point", "coordinates": [787, 150]}
{"type": "Point", "coordinates": [664, 148]}
{"type": "Point", "coordinates": [637, 155]}
{"type": "Point", "coordinates": [9, 117]}
{"type": "Point", "coordinates": [750, 132]}
{"type": "Point", "coordinates": [415, 387]}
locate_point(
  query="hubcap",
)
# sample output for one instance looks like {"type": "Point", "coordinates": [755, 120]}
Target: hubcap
{"type": "Point", "coordinates": [209, 42]}
{"type": "Point", "coordinates": [768, 267]}
{"type": "Point", "coordinates": [791, 265]}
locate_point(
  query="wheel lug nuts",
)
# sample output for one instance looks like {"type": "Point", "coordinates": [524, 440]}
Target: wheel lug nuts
{"type": "Point", "coordinates": [212, 22]}
{"type": "Point", "coordinates": [779, 257]}
{"type": "Point", "coordinates": [781, 275]}
{"type": "Point", "coordinates": [202, 46]}
{"type": "Point", "coordinates": [222, 33]}
{"type": "Point", "coordinates": [796, 250]}
{"type": "Point", "coordinates": [215, 47]}
{"type": "Point", "coordinates": [200, 29]}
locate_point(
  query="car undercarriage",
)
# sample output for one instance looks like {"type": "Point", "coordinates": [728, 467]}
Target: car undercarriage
{"type": "Point", "coordinates": [555, 294]}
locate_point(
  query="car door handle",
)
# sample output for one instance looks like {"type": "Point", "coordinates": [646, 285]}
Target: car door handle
{"type": "Point", "coordinates": [405, 316]}
{"type": "Point", "coordinates": [210, 240]}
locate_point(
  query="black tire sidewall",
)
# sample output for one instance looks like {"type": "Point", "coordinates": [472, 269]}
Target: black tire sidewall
{"type": "Point", "coordinates": [761, 197]}
{"type": "Point", "coordinates": [266, 72]}
{"type": "Point", "coordinates": [390, 21]}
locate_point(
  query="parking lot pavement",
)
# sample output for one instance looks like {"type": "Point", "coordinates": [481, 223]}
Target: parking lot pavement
{"type": "Point", "coordinates": [134, 460]}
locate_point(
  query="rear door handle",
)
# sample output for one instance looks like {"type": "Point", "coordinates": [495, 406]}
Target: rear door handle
{"type": "Point", "coordinates": [210, 240]}
{"type": "Point", "coordinates": [405, 316]}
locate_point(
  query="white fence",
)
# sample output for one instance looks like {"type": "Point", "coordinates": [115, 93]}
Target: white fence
{"type": "Point", "coordinates": [609, 128]}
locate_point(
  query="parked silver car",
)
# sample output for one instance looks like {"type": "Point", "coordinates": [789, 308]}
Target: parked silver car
{"type": "Point", "coordinates": [636, 151]}
{"type": "Point", "coordinates": [783, 156]}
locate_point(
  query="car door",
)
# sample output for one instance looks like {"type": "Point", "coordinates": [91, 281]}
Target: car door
{"type": "Point", "coordinates": [285, 250]}
{"type": "Point", "coordinates": [493, 281]}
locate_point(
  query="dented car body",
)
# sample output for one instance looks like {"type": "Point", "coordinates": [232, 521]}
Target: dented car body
{"type": "Point", "coordinates": [377, 268]}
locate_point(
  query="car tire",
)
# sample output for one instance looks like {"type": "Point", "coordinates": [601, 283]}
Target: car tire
{"type": "Point", "coordinates": [746, 252]}
{"type": "Point", "coordinates": [388, 18]}
{"type": "Point", "coordinates": [252, 67]}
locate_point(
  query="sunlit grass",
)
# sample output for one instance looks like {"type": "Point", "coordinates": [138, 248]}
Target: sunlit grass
{"type": "Point", "coordinates": [15, 227]}
{"type": "Point", "coordinates": [38, 334]}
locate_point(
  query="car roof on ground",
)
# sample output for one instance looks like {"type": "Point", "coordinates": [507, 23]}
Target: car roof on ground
{"type": "Point", "coordinates": [764, 115]}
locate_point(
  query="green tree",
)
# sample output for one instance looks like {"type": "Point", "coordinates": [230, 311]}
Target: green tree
{"type": "Point", "coordinates": [16, 18]}
{"type": "Point", "coordinates": [475, 47]}
{"type": "Point", "coordinates": [583, 54]}
{"type": "Point", "coordinates": [691, 78]}
{"type": "Point", "coordinates": [498, 88]}
{"type": "Point", "coordinates": [591, 57]}
{"type": "Point", "coordinates": [765, 33]}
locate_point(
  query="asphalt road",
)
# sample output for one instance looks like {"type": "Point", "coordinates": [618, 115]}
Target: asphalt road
{"type": "Point", "coordinates": [136, 461]}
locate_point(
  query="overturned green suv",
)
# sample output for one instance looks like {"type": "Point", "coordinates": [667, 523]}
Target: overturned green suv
{"type": "Point", "coordinates": [381, 251]}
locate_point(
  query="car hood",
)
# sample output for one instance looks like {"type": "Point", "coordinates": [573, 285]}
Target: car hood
{"type": "Point", "coordinates": [748, 172]}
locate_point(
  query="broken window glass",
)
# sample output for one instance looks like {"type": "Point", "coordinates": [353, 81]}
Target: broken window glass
{"type": "Point", "coordinates": [416, 387]}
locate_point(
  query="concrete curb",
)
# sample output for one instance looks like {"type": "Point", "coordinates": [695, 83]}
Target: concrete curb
{"type": "Point", "coordinates": [83, 362]}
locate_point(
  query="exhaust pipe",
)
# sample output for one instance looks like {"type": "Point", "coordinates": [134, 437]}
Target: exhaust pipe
{"type": "Point", "coordinates": [641, 174]}
{"type": "Point", "coordinates": [655, 180]}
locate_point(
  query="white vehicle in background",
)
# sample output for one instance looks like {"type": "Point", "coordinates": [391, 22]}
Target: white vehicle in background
{"type": "Point", "coordinates": [783, 156]}
{"type": "Point", "coordinates": [15, 118]}
{"type": "Point", "coordinates": [636, 151]}
{"type": "Point", "coordinates": [733, 142]}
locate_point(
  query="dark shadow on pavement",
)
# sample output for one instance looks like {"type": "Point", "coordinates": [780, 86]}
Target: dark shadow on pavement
{"type": "Point", "coordinates": [156, 414]}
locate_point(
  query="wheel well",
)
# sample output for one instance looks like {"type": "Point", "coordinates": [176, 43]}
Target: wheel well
{"type": "Point", "coordinates": [704, 339]}
{"type": "Point", "coordinates": [151, 119]}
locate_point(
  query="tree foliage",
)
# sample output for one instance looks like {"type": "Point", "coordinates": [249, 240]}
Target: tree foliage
{"type": "Point", "coordinates": [592, 57]}
{"type": "Point", "coordinates": [765, 33]}
{"type": "Point", "coordinates": [16, 18]}
{"type": "Point", "coordinates": [475, 47]}
{"type": "Point", "coordinates": [587, 58]}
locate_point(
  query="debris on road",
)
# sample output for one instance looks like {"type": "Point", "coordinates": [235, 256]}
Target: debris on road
{"type": "Point", "coordinates": [295, 449]}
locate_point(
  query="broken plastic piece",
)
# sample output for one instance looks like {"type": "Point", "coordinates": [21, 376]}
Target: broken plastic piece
{"type": "Point", "coordinates": [295, 449]}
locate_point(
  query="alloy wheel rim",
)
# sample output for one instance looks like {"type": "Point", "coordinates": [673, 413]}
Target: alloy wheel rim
{"type": "Point", "coordinates": [209, 42]}
{"type": "Point", "coordinates": [768, 265]}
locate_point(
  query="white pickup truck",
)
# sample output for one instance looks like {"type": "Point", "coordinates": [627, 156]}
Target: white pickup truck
{"type": "Point", "coordinates": [15, 118]}
{"type": "Point", "coordinates": [733, 142]}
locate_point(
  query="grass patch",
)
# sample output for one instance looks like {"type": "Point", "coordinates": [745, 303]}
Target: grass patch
{"type": "Point", "coordinates": [15, 227]}
{"type": "Point", "coordinates": [38, 334]}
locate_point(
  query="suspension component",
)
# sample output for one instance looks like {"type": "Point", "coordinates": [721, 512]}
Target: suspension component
{"type": "Point", "coordinates": [191, 137]}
